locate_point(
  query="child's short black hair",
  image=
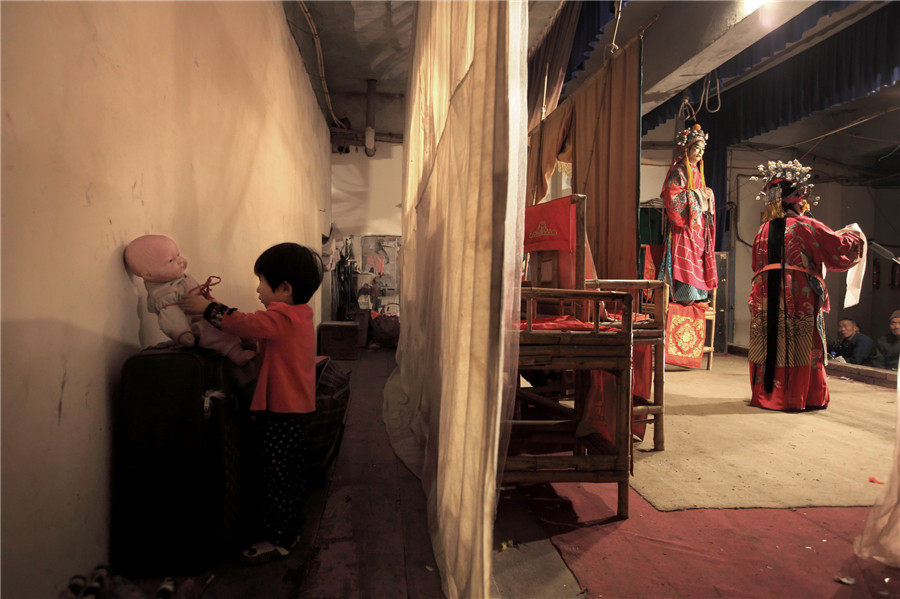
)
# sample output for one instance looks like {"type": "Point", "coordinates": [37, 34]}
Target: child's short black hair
{"type": "Point", "coordinates": [294, 263]}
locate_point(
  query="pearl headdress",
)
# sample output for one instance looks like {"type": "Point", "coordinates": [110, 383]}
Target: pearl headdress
{"type": "Point", "coordinates": [775, 172]}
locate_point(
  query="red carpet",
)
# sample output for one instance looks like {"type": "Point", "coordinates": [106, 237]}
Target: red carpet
{"type": "Point", "coordinates": [771, 553]}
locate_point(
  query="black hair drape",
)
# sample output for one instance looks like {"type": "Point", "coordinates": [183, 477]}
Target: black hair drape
{"type": "Point", "coordinates": [773, 295]}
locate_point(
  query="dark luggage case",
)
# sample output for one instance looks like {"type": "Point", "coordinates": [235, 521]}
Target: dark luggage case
{"type": "Point", "coordinates": [178, 495]}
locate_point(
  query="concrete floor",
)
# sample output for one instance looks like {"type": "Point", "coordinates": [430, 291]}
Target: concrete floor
{"type": "Point", "coordinates": [367, 532]}
{"type": "Point", "coordinates": [367, 526]}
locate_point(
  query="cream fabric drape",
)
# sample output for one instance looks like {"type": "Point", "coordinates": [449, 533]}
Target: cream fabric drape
{"type": "Point", "coordinates": [548, 144]}
{"type": "Point", "coordinates": [548, 66]}
{"type": "Point", "coordinates": [880, 538]}
{"type": "Point", "coordinates": [461, 266]}
{"type": "Point", "coordinates": [606, 160]}
{"type": "Point", "coordinates": [598, 129]}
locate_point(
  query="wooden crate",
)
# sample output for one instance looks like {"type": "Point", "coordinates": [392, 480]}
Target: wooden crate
{"type": "Point", "coordinates": [339, 340]}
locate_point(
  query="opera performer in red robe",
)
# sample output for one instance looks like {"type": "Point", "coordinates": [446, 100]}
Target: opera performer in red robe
{"type": "Point", "coordinates": [788, 297]}
{"type": "Point", "coordinates": [690, 261]}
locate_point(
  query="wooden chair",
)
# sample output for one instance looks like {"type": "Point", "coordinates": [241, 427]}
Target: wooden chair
{"type": "Point", "coordinates": [560, 410]}
{"type": "Point", "coordinates": [652, 299]}
{"type": "Point", "coordinates": [601, 454]}
{"type": "Point", "coordinates": [553, 257]}
{"type": "Point", "coordinates": [710, 349]}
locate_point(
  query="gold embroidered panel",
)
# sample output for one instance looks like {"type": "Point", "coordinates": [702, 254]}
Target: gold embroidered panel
{"type": "Point", "coordinates": [795, 339]}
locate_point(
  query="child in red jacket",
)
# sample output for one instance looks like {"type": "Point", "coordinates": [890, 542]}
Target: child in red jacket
{"type": "Point", "coordinates": [289, 274]}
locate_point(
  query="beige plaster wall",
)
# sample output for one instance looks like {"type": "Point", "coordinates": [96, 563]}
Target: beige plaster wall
{"type": "Point", "coordinates": [367, 191]}
{"type": "Point", "coordinates": [194, 120]}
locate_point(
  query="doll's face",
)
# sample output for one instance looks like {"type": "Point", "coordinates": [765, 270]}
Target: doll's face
{"type": "Point", "coordinates": [155, 258]}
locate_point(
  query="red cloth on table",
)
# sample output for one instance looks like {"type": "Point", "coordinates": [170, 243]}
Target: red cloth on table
{"type": "Point", "coordinates": [653, 257]}
{"type": "Point", "coordinates": [560, 323]}
{"type": "Point", "coordinates": [600, 414]}
{"type": "Point", "coordinates": [685, 334]}
{"type": "Point", "coordinates": [570, 323]}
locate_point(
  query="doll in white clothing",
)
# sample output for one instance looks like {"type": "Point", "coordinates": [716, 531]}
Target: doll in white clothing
{"type": "Point", "coordinates": [155, 259]}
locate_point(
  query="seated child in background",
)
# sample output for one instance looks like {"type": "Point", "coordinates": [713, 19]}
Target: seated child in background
{"type": "Point", "coordinates": [853, 347]}
{"type": "Point", "coordinates": [156, 260]}
{"type": "Point", "coordinates": [887, 347]}
{"type": "Point", "coordinates": [285, 395]}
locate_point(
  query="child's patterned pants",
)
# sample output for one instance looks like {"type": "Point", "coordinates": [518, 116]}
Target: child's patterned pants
{"type": "Point", "coordinates": [283, 476]}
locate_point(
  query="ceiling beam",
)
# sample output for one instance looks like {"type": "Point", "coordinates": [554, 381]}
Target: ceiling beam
{"type": "Point", "coordinates": [691, 39]}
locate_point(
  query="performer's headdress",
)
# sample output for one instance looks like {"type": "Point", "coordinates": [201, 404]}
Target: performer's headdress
{"type": "Point", "coordinates": [684, 141]}
{"type": "Point", "coordinates": [689, 137]}
{"type": "Point", "coordinates": [784, 184]}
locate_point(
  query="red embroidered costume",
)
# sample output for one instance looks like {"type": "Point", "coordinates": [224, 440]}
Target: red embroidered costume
{"type": "Point", "coordinates": [790, 252]}
{"type": "Point", "coordinates": [693, 230]}
{"type": "Point", "coordinates": [690, 261]}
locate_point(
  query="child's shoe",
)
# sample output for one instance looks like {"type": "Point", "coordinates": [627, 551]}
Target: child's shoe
{"type": "Point", "coordinates": [74, 588]}
{"type": "Point", "coordinates": [98, 585]}
{"type": "Point", "coordinates": [122, 588]}
{"type": "Point", "coordinates": [264, 552]}
{"type": "Point", "coordinates": [166, 590]}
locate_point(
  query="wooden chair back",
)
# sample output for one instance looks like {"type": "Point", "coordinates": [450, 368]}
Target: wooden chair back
{"type": "Point", "coordinates": [554, 257]}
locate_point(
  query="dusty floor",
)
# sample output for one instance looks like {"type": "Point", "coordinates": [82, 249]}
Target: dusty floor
{"type": "Point", "coordinates": [367, 533]}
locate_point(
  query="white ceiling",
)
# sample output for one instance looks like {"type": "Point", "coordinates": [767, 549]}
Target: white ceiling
{"type": "Point", "coordinates": [683, 40]}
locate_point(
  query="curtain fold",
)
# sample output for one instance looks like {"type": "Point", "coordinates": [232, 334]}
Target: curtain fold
{"type": "Point", "coordinates": [549, 143]}
{"type": "Point", "coordinates": [597, 129]}
{"type": "Point", "coordinates": [461, 265]}
{"type": "Point", "coordinates": [606, 156]}
{"type": "Point", "coordinates": [880, 537]}
{"type": "Point", "coordinates": [547, 66]}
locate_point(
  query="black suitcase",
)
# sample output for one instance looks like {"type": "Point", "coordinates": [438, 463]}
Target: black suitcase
{"type": "Point", "coordinates": [179, 424]}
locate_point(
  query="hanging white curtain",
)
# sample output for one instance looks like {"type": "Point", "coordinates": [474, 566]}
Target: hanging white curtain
{"type": "Point", "coordinates": [461, 267]}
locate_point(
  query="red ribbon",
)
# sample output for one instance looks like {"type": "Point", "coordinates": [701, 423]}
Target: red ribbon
{"type": "Point", "coordinates": [203, 288]}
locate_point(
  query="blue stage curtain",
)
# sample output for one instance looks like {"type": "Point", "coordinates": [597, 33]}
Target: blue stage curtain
{"type": "Point", "coordinates": [768, 46]}
{"type": "Point", "coordinates": [595, 15]}
{"type": "Point", "coordinates": [853, 63]}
